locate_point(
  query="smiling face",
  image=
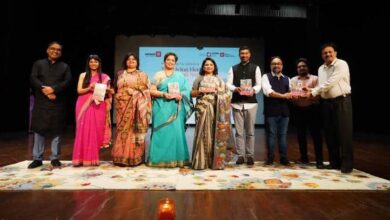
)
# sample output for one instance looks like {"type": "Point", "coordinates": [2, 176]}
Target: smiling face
{"type": "Point", "coordinates": [302, 68]}
{"type": "Point", "coordinates": [276, 65]}
{"type": "Point", "coordinates": [131, 62]}
{"type": "Point", "coordinates": [93, 64]}
{"type": "Point", "coordinates": [328, 55]}
{"type": "Point", "coordinates": [208, 67]}
{"type": "Point", "coordinates": [170, 62]}
{"type": "Point", "coordinates": [245, 55]}
{"type": "Point", "coordinates": [54, 51]}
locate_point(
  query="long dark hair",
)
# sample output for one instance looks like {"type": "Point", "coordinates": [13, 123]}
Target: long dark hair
{"type": "Point", "coordinates": [201, 71]}
{"type": "Point", "coordinates": [87, 78]}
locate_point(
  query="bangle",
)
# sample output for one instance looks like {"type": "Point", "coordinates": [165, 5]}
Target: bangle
{"type": "Point", "coordinates": [163, 95]}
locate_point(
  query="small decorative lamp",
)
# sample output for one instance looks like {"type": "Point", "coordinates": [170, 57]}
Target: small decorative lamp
{"type": "Point", "coordinates": [166, 209]}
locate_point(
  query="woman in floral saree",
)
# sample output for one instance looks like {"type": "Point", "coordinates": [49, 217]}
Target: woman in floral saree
{"type": "Point", "coordinates": [213, 141]}
{"type": "Point", "coordinates": [168, 147]}
{"type": "Point", "coordinates": [93, 129]}
{"type": "Point", "coordinates": [133, 110]}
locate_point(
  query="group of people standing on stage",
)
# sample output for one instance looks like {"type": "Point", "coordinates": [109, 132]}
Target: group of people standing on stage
{"type": "Point", "coordinates": [167, 100]}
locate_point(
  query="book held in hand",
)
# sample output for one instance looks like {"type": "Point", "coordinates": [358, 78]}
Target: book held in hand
{"type": "Point", "coordinates": [297, 88]}
{"type": "Point", "coordinates": [246, 87]}
{"type": "Point", "coordinates": [207, 89]}
{"type": "Point", "coordinates": [99, 91]}
{"type": "Point", "coordinates": [207, 85]}
{"type": "Point", "coordinates": [174, 89]}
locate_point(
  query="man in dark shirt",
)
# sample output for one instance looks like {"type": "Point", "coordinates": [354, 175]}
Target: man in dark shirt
{"type": "Point", "coordinates": [49, 79]}
{"type": "Point", "coordinates": [276, 88]}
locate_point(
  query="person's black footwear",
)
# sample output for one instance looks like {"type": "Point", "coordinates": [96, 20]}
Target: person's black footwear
{"type": "Point", "coordinates": [285, 162]}
{"type": "Point", "coordinates": [320, 166]}
{"type": "Point", "coordinates": [330, 167]}
{"type": "Point", "coordinates": [269, 163]}
{"type": "Point", "coordinates": [302, 162]}
{"type": "Point", "coordinates": [343, 170]}
{"type": "Point", "coordinates": [240, 160]}
{"type": "Point", "coordinates": [249, 161]}
{"type": "Point", "coordinates": [34, 164]}
{"type": "Point", "coordinates": [55, 163]}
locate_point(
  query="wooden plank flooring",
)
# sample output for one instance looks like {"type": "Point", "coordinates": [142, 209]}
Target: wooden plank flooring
{"type": "Point", "coordinates": [371, 155]}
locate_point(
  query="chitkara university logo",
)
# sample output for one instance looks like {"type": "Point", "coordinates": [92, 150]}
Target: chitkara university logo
{"type": "Point", "coordinates": [221, 54]}
{"type": "Point", "coordinates": [158, 53]}
{"type": "Point", "coordinates": [208, 54]}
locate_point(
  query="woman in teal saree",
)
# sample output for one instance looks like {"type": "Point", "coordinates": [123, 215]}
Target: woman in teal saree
{"type": "Point", "coordinates": [170, 110]}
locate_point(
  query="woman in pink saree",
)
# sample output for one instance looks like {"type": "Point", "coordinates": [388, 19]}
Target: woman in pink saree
{"type": "Point", "coordinates": [93, 129]}
{"type": "Point", "coordinates": [133, 111]}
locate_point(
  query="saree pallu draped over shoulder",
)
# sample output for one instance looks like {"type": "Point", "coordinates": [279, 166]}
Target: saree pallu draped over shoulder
{"type": "Point", "coordinates": [168, 147]}
{"type": "Point", "coordinates": [133, 112]}
{"type": "Point", "coordinates": [213, 144]}
{"type": "Point", "coordinates": [93, 128]}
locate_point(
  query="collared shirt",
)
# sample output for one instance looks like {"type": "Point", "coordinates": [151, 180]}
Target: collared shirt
{"type": "Point", "coordinates": [231, 87]}
{"type": "Point", "coordinates": [333, 80]}
{"type": "Point", "coordinates": [298, 82]}
{"type": "Point", "coordinates": [266, 85]}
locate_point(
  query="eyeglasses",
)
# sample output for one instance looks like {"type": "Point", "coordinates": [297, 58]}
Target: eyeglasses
{"type": "Point", "coordinates": [55, 49]}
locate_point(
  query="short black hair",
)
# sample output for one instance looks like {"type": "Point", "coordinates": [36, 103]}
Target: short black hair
{"type": "Point", "coordinates": [275, 57]}
{"type": "Point", "coordinates": [244, 48]}
{"type": "Point", "coordinates": [302, 59]}
{"type": "Point", "coordinates": [329, 44]}
{"type": "Point", "coordinates": [54, 42]}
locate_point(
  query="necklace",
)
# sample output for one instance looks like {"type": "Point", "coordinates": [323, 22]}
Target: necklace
{"type": "Point", "coordinates": [131, 72]}
{"type": "Point", "coordinates": [168, 74]}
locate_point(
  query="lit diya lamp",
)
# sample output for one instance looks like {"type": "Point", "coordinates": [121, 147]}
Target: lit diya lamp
{"type": "Point", "coordinates": [166, 209]}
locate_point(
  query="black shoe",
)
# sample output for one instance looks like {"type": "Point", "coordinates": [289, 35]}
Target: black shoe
{"type": "Point", "coordinates": [330, 167]}
{"type": "Point", "coordinates": [34, 164]}
{"type": "Point", "coordinates": [240, 160]}
{"type": "Point", "coordinates": [302, 162]}
{"type": "Point", "coordinates": [320, 166]}
{"type": "Point", "coordinates": [346, 170]}
{"type": "Point", "coordinates": [285, 162]}
{"type": "Point", "coordinates": [55, 163]}
{"type": "Point", "coordinates": [269, 163]}
{"type": "Point", "coordinates": [249, 161]}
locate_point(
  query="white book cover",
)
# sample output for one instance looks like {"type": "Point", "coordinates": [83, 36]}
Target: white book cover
{"type": "Point", "coordinates": [100, 91]}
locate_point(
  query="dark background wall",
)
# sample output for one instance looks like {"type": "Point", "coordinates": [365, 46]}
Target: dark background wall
{"type": "Point", "coordinates": [88, 27]}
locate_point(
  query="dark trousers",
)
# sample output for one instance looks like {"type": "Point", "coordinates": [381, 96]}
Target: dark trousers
{"type": "Point", "coordinates": [309, 118]}
{"type": "Point", "coordinates": [337, 114]}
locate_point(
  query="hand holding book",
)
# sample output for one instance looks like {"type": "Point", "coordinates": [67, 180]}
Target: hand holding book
{"type": "Point", "coordinates": [99, 92]}
{"type": "Point", "coordinates": [246, 87]}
